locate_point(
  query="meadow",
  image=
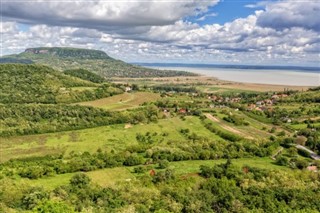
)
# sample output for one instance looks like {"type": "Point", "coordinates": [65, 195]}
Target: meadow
{"type": "Point", "coordinates": [112, 176]}
{"type": "Point", "coordinates": [111, 137]}
{"type": "Point", "coordinates": [123, 101]}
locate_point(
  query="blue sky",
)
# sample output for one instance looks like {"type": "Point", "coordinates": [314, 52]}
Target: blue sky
{"type": "Point", "coordinates": [277, 32]}
{"type": "Point", "coordinates": [236, 9]}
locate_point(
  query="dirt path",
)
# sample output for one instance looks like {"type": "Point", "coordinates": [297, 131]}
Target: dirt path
{"type": "Point", "coordinates": [226, 127]}
{"type": "Point", "coordinates": [312, 154]}
{"type": "Point", "coordinates": [273, 157]}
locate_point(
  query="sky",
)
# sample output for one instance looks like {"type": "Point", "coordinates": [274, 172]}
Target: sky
{"type": "Point", "coordinates": [274, 32]}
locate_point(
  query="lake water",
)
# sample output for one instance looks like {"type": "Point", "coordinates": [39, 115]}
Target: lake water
{"type": "Point", "coordinates": [275, 77]}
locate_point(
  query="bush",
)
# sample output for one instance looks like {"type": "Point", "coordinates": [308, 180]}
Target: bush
{"type": "Point", "coordinates": [282, 161]}
{"type": "Point", "coordinates": [139, 169]}
{"type": "Point", "coordinates": [304, 153]}
{"type": "Point", "coordinates": [80, 180]}
{"type": "Point", "coordinates": [133, 160]}
{"type": "Point", "coordinates": [163, 164]}
{"type": "Point", "coordinates": [302, 164]}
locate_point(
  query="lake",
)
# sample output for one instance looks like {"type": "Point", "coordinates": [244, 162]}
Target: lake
{"type": "Point", "coordinates": [260, 76]}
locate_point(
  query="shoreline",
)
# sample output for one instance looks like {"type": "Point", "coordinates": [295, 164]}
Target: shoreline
{"type": "Point", "coordinates": [211, 82]}
{"type": "Point", "coordinates": [262, 77]}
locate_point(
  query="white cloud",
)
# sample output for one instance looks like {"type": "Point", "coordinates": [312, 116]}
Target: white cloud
{"type": "Point", "coordinates": [204, 17]}
{"type": "Point", "coordinates": [287, 14]}
{"type": "Point", "coordinates": [168, 38]}
{"type": "Point", "coordinates": [103, 14]}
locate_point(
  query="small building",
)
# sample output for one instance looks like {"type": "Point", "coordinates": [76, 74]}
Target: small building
{"type": "Point", "coordinates": [152, 172]}
{"type": "Point", "coordinates": [268, 102]}
{"type": "Point", "coordinates": [251, 106]}
{"type": "Point", "coordinates": [182, 111]}
{"type": "Point", "coordinates": [312, 168]}
{"type": "Point", "coordinates": [259, 103]}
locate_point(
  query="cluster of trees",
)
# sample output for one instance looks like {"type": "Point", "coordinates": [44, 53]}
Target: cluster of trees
{"type": "Point", "coordinates": [311, 96]}
{"type": "Point", "coordinates": [150, 138]}
{"type": "Point", "coordinates": [51, 165]}
{"type": "Point", "coordinates": [174, 88]}
{"type": "Point", "coordinates": [85, 75]}
{"type": "Point", "coordinates": [293, 162]}
{"type": "Point", "coordinates": [222, 133]}
{"type": "Point", "coordinates": [40, 84]}
{"type": "Point", "coordinates": [236, 120]}
{"type": "Point", "coordinates": [227, 192]}
{"type": "Point", "coordinates": [20, 119]}
{"type": "Point", "coordinates": [313, 138]}
{"type": "Point", "coordinates": [77, 196]}
{"type": "Point", "coordinates": [221, 188]}
{"type": "Point", "coordinates": [105, 90]}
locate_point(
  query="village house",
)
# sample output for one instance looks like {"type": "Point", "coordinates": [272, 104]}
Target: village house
{"type": "Point", "coordinates": [182, 111]}
{"type": "Point", "coordinates": [312, 168]}
{"type": "Point", "coordinates": [235, 100]}
{"type": "Point", "coordinates": [259, 103]}
{"type": "Point", "coordinates": [268, 102]}
{"type": "Point", "coordinates": [128, 89]}
{"type": "Point", "coordinates": [251, 107]}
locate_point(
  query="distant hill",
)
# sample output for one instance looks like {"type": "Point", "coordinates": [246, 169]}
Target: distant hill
{"type": "Point", "coordinates": [96, 61]}
{"type": "Point", "coordinates": [66, 52]}
{"type": "Point", "coordinates": [21, 83]}
{"type": "Point", "coordinates": [15, 61]}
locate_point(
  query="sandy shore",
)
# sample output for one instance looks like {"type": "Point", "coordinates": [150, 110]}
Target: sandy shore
{"type": "Point", "coordinates": [209, 82]}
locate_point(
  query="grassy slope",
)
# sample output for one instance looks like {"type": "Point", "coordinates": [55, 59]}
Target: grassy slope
{"type": "Point", "coordinates": [109, 177]}
{"type": "Point", "coordinates": [115, 137]}
{"type": "Point", "coordinates": [103, 177]}
{"type": "Point", "coordinates": [34, 83]}
{"type": "Point", "coordinates": [123, 101]}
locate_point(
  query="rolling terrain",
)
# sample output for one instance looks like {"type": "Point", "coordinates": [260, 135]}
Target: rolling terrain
{"type": "Point", "coordinates": [74, 142]}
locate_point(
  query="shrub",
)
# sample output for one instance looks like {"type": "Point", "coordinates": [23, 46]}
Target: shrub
{"type": "Point", "coordinates": [163, 164]}
{"type": "Point", "coordinates": [282, 161]}
{"type": "Point", "coordinates": [303, 153]}
{"type": "Point", "coordinates": [302, 164]}
{"type": "Point", "coordinates": [80, 180]}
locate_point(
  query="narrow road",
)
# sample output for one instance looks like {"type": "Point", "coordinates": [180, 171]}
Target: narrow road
{"type": "Point", "coordinates": [313, 155]}
{"type": "Point", "coordinates": [226, 127]}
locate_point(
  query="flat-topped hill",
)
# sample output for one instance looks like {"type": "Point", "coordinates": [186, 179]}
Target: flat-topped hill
{"type": "Point", "coordinates": [96, 61]}
{"type": "Point", "coordinates": [68, 52]}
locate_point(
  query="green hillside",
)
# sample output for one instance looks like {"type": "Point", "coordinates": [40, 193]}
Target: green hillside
{"type": "Point", "coordinates": [85, 75]}
{"type": "Point", "coordinates": [99, 62]}
{"type": "Point", "coordinates": [68, 52]}
{"type": "Point", "coordinates": [21, 83]}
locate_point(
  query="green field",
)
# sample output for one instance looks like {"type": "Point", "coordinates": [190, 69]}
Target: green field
{"type": "Point", "coordinates": [123, 101]}
{"type": "Point", "coordinates": [113, 137]}
{"type": "Point", "coordinates": [110, 177]}
{"type": "Point", "coordinates": [103, 177]}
